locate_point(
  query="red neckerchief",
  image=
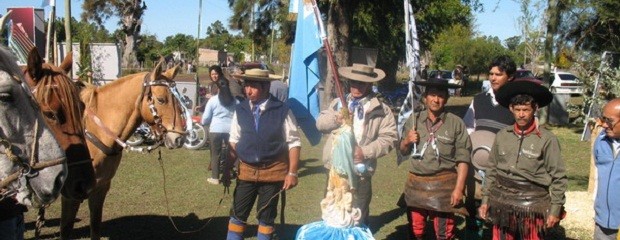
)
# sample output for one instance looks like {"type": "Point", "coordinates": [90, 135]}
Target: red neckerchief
{"type": "Point", "coordinates": [527, 131]}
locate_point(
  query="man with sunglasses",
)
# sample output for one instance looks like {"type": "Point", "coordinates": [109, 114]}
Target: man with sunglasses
{"type": "Point", "coordinates": [606, 151]}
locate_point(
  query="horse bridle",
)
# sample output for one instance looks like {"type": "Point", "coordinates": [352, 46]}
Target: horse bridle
{"type": "Point", "coordinates": [28, 170]}
{"type": "Point", "coordinates": [160, 130]}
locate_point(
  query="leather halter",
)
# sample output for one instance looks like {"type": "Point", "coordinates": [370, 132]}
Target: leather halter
{"type": "Point", "coordinates": [159, 132]}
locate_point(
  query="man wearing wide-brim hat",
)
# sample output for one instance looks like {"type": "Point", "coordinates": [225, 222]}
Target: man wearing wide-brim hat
{"type": "Point", "coordinates": [264, 137]}
{"type": "Point", "coordinates": [524, 188]}
{"type": "Point", "coordinates": [436, 181]}
{"type": "Point", "coordinates": [374, 128]}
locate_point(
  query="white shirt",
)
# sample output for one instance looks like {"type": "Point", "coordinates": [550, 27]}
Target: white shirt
{"type": "Point", "coordinates": [291, 135]}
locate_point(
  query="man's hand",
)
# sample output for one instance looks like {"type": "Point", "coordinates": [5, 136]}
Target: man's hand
{"type": "Point", "coordinates": [413, 137]}
{"type": "Point", "coordinates": [358, 155]}
{"type": "Point", "coordinates": [552, 221]}
{"type": "Point", "coordinates": [482, 211]}
{"type": "Point", "coordinates": [457, 198]}
{"type": "Point", "coordinates": [289, 182]}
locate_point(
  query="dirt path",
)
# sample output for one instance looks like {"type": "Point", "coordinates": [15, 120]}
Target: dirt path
{"type": "Point", "coordinates": [579, 221]}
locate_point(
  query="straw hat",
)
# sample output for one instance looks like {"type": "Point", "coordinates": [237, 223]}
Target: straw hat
{"type": "Point", "coordinates": [540, 93]}
{"type": "Point", "coordinates": [362, 73]}
{"type": "Point", "coordinates": [256, 74]}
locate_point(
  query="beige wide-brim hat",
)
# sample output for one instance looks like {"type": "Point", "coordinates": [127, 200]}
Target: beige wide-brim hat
{"type": "Point", "coordinates": [362, 73]}
{"type": "Point", "coordinates": [256, 74]}
{"type": "Point", "coordinates": [482, 142]}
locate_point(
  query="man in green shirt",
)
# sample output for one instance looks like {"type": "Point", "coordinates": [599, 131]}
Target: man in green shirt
{"type": "Point", "coordinates": [436, 179]}
{"type": "Point", "coordinates": [525, 184]}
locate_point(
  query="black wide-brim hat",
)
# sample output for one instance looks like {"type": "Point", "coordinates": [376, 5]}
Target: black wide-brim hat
{"type": "Point", "coordinates": [540, 93]}
{"type": "Point", "coordinates": [438, 83]}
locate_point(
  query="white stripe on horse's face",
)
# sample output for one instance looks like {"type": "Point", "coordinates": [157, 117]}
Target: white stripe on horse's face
{"type": "Point", "coordinates": [21, 125]}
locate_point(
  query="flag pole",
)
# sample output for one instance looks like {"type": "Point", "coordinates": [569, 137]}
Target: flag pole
{"type": "Point", "coordinates": [332, 64]}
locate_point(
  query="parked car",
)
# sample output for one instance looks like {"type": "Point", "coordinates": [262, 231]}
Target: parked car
{"type": "Point", "coordinates": [526, 75]}
{"type": "Point", "coordinates": [396, 97]}
{"type": "Point", "coordinates": [445, 74]}
{"type": "Point", "coordinates": [565, 82]}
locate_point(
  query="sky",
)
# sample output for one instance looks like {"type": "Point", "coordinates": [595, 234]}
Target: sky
{"type": "Point", "coordinates": [168, 17]}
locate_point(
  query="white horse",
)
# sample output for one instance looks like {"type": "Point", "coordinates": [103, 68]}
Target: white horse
{"type": "Point", "coordinates": [32, 165]}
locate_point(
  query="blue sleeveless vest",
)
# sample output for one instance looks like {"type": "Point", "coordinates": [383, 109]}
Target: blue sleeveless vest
{"type": "Point", "coordinates": [268, 143]}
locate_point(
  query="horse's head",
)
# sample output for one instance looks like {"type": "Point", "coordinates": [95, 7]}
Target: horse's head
{"type": "Point", "coordinates": [161, 109]}
{"type": "Point", "coordinates": [32, 164]}
{"type": "Point", "coordinates": [59, 102]}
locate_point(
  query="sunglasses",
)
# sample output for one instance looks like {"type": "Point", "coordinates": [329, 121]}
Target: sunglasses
{"type": "Point", "coordinates": [609, 122]}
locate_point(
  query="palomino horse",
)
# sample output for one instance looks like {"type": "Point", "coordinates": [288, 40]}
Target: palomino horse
{"type": "Point", "coordinates": [59, 101]}
{"type": "Point", "coordinates": [112, 114]}
{"type": "Point", "coordinates": [33, 167]}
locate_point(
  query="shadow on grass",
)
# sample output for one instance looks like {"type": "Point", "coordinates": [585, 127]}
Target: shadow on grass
{"type": "Point", "coordinates": [160, 227]}
{"type": "Point", "coordinates": [305, 170]}
{"type": "Point", "coordinates": [578, 181]}
{"type": "Point", "coordinates": [152, 227]}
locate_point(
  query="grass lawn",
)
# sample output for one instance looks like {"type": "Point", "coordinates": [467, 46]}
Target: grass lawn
{"type": "Point", "coordinates": [137, 208]}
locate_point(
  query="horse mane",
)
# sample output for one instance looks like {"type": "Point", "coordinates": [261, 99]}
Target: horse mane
{"type": "Point", "coordinates": [88, 94]}
{"type": "Point", "coordinates": [53, 78]}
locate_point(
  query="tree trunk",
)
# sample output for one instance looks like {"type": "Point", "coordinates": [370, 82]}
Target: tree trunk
{"type": "Point", "coordinates": [552, 12]}
{"type": "Point", "coordinates": [338, 30]}
{"type": "Point", "coordinates": [129, 52]}
{"type": "Point", "coordinates": [131, 24]}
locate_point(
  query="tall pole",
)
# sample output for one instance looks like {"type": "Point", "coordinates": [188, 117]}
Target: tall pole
{"type": "Point", "coordinates": [50, 30]}
{"type": "Point", "coordinates": [252, 28]}
{"type": "Point", "coordinates": [68, 41]}
{"type": "Point", "coordinates": [197, 63]}
{"type": "Point", "coordinates": [271, 50]}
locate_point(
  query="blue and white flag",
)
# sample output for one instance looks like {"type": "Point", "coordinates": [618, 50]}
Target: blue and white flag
{"type": "Point", "coordinates": [46, 3]}
{"type": "Point", "coordinates": [413, 63]}
{"type": "Point", "coordinates": [304, 74]}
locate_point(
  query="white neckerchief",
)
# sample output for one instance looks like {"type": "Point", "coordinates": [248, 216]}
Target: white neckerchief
{"type": "Point", "coordinates": [358, 123]}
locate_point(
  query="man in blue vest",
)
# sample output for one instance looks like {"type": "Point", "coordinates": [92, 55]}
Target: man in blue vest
{"type": "Point", "coordinates": [264, 136]}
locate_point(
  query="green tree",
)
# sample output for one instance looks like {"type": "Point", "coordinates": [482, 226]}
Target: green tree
{"type": "Point", "coordinates": [180, 42]}
{"type": "Point", "coordinates": [130, 14]}
{"type": "Point", "coordinates": [590, 25]}
{"type": "Point", "coordinates": [218, 37]}
{"type": "Point", "coordinates": [149, 49]}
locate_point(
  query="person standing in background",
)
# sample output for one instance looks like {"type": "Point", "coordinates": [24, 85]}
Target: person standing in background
{"type": "Point", "coordinates": [606, 152]}
{"type": "Point", "coordinates": [485, 114]}
{"type": "Point", "coordinates": [218, 115]}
